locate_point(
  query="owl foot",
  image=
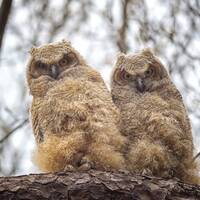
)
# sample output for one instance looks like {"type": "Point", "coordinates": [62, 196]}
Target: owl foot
{"type": "Point", "coordinates": [85, 164]}
{"type": "Point", "coordinates": [69, 168]}
{"type": "Point", "coordinates": [147, 172]}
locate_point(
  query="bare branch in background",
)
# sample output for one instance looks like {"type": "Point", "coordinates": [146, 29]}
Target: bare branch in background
{"type": "Point", "coordinates": [56, 26]}
{"type": "Point", "coordinates": [121, 37]}
{"type": "Point", "coordinates": [5, 10]}
{"type": "Point", "coordinates": [13, 130]}
{"type": "Point", "coordinates": [198, 154]}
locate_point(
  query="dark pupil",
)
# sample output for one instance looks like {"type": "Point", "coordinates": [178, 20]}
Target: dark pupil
{"type": "Point", "coordinates": [64, 61]}
{"type": "Point", "coordinates": [127, 76]}
{"type": "Point", "coordinates": [42, 65]}
{"type": "Point", "coordinates": [149, 71]}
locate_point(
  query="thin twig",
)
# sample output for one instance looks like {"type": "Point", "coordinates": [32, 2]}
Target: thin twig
{"type": "Point", "coordinates": [198, 154]}
{"type": "Point", "coordinates": [13, 130]}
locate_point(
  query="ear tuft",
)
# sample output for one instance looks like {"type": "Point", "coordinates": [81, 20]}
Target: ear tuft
{"type": "Point", "coordinates": [66, 42]}
{"type": "Point", "coordinates": [121, 56]}
{"type": "Point", "coordinates": [120, 59]}
{"type": "Point", "coordinates": [147, 52]}
{"type": "Point", "coordinates": [33, 50]}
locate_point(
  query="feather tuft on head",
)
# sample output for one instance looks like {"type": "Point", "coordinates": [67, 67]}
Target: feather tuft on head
{"type": "Point", "coordinates": [148, 52]}
{"type": "Point", "coordinates": [120, 59]}
{"type": "Point", "coordinates": [33, 50]}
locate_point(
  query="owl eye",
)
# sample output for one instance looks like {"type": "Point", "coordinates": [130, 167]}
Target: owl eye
{"type": "Point", "coordinates": [125, 76]}
{"type": "Point", "coordinates": [41, 65]}
{"type": "Point", "coordinates": [38, 69]}
{"type": "Point", "coordinates": [122, 77]}
{"type": "Point", "coordinates": [69, 60]}
{"type": "Point", "coordinates": [149, 72]}
{"type": "Point", "coordinates": [63, 62]}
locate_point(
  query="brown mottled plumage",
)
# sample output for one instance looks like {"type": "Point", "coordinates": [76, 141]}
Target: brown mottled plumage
{"type": "Point", "coordinates": [73, 117]}
{"type": "Point", "coordinates": [153, 118]}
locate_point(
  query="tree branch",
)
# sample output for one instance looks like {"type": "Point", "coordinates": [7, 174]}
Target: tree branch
{"type": "Point", "coordinates": [94, 185]}
{"type": "Point", "coordinates": [121, 40]}
{"type": "Point", "coordinates": [4, 14]}
{"type": "Point", "coordinates": [13, 130]}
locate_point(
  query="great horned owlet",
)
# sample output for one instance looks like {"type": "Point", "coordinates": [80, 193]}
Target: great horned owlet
{"type": "Point", "coordinates": [73, 116]}
{"type": "Point", "coordinates": [153, 118]}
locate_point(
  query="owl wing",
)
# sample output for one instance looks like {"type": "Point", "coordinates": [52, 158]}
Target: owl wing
{"type": "Point", "coordinates": [179, 110]}
{"type": "Point", "coordinates": [37, 129]}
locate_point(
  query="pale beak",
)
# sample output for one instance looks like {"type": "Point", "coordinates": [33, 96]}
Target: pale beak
{"type": "Point", "coordinates": [54, 71]}
{"type": "Point", "coordinates": [140, 84]}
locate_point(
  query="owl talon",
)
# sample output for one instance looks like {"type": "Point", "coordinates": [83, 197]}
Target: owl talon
{"type": "Point", "coordinates": [69, 168]}
{"type": "Point", "coordinates": [85, 164]}
{"type": "Point", "coordinates": [85, 167]}
{"type": "Point", "coordinates": [147, 172]}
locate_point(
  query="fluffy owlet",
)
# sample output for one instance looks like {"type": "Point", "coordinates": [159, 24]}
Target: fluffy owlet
{"type": "Point", "coordinates": [73, 117]}
{"type": "Point", "coordinates": [153, 118]}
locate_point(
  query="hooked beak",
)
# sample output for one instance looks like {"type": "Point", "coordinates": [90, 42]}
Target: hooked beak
{"type": "Point", "coordinates": [140, 84]}
{"type": "Point", "coordinates": [54, 71]}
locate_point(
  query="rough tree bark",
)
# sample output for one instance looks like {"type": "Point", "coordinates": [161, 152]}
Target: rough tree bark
{"type": "Point", "coordinates": [94, 185]}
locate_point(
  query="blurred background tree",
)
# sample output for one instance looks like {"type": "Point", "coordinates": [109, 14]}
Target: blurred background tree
{"type": "Point", "coordinates": [99, 30]}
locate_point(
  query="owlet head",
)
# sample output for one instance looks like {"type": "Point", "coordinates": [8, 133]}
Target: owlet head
{"type": "Point", "coordinates": [52, 59]}
{"type": "Point", "coordinates": [139, 71]}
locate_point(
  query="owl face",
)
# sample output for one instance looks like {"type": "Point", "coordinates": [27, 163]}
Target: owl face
{"type": "Point", "coordinates": [54, 69]}
{"type": "Point", "coordinates": [138, 72]}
